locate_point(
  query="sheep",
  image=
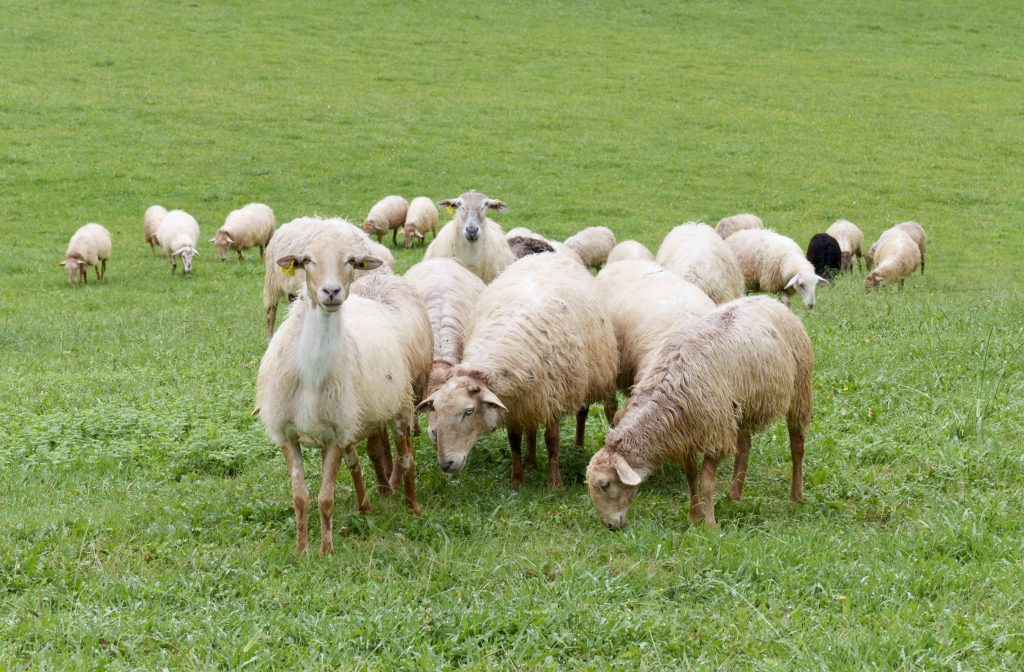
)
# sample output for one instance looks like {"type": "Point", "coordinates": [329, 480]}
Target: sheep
{"type": "Point", "coordinates": [592, 245]}
{"type": "Point", "coordinates": [387, 214]}
{"type": "Point", "coordinates": [523, 241]}
{"type": "Point", "coordinates": [89, 246]}
{"type": "Point", "coordinates": [730, 225]}
{"type": "Point", "coordinates": [694, 252]}
{"type": "Point", "coordinates": [825, 255]}
{"type": "Point", "coordinates": [178, 233]}
{"type": "Point", "coordinates": [421, 218]}
{"type": "Point", "coordinates": [629, 249]}
{"type": "Point", "coordinates": [474, 240]}
{"type": "Point", "coordinates": [538, 346]}
{"type": "Point", "coordinates": [251, 225]}
{"type": "Point", "coordinates": [912, 229]}
{"type": "Point", "coordinates": [709, 387]}
{"type": "Point", "coordinates": [343, 365]}
{"type": "Point", "coordinates": [850, 239]}
{"type": "Point", "coordinates": [150, 223]}
{"type": "Point", "coordinates": [645, 303]}
{"type": "Point", "coordinates": [774, 263]}
{"type": "Point", "coordinates": [896, 256]}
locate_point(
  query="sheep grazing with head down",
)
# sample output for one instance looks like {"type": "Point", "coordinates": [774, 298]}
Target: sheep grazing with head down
{"type": "Point", "coordinates": [387, 214]}
{"type": "Point", "coordinates": [250, 226]}
{"type": "Point", "coordinates": [592, 244]}
{"type": "Point", "coordinates": [150, 222]}
{"type": "Point", "coordinates": [850, 238]}
{"type": "Point", "coordinates": [178, 234]}
{"type": "Point", "coordinates": [89, 246]}
{"type": "Point", "coordinates": [730, 225]}
{"type": "Point", "coordinates": [343, 365]}
{"type": "Point", "coordinates": [709, 387]}
{"type": "Point", "coordinates": [896, 256]}
{"type": "Point", "coordinates": [538, 347]}
{"type": "Point", "coordinates": [695, 253]}
{"type": "Point", "coordinates": [824, 254]}
{"type": "Point", "coordinates": [912, 229]}
{"type": "Point", "coordinates": [774, 263]}
{"type": "Point", "coordinates": [472, 238]}
{"type": "Point", "coordinates": [629, 249]}
{"type": "Point", "coordinates": [421, 218]}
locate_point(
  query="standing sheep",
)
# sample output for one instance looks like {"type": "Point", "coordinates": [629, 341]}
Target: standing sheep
{"type": "Point", "coordinates": [387, 214]}
{"type": "Point", "coordinates": [896, 256]}
{"type": "Point", "coordinates": [774, 263]}
{"type": "Point", "coordinates": [593, 245]}
{"type": "Point", "coordinates": [250, 226]}
{"type": "Point", "coordinates": [730, 225]}
{"type": "Point", "coordinates": [825, 255]}
{"type": "Point", "coordinates": [473, 239]}
{"type": "Point", "coordinates": [850, 239]}
{"type": "Point", "coordinates": [421, 218]}
{"type": "Point", "coordinates": [151, 222]}
{"type": "Point", "coordinates": [912, 229]}
{"type": "Point", "coordinates": [710, 386]}
{"type": "Point", "coordinates": [341, 367]}
{"type": "Point", "coordinates": [538, 347]}
{"type": "Point", "coordinates": [89, 246]}
{"type": "Point", "coordinates": [178, 233]}
{"type": "Point", "coordinates": [695, 253]}
{"type": "Point", "coordinates": [630, 249]}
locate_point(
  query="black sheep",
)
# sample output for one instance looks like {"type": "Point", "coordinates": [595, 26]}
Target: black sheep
{"type": "Point", "coordinates": [823, 251]}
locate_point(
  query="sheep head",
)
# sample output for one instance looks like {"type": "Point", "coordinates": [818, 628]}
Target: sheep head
{"type": "Point", "coordinates": [612, 484]}
{"type": "Point", "coordinates": [186, 253]}
{"type": "Point", "coordinates": [874, 279]}
{"type": "Point", "coordinates": [471, 210]}
{"type": "Point", "coordinates": [223, 241]}
{"type": "Point", "coordinates": [457, 413]}
{"type": "Point", "coordinates": [76, 269]}
{"type": "Point", "coordinates": [805, 283]}
{"type": "Point", "coordinates": [329, 269]}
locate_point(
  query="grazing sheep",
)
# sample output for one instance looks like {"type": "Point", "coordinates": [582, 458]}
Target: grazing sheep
{"type": "Point", "coordinates": [388, 214]}
{"type": "Point", "coordinates": [629, 249]}
{"type": "Point", "coordinates": [912, 229]}
{"type": "Point", "coordinates": [178, 233]}
{"type": "Point", "coordinates": [730, 225]}
{"type": "Point", "coordinates": [343, 365]}
{"type": "Point", "coordinates": [645, 303]}
{"type": "Point", "coordinates": [695, 253]}
{"type": "Point", "coordinates": [89, 246]}
{"type": "Point", "coordinates": [250, 226]}
{"type": "Point", "coordinates": [421, 218]}
{"type": "Point", "coordinates": [538, 346]}
{"type": "Point", "coordinates": [296, 236]}
{"type": "Point", "coordinates": [474, 240]}
{"type": "Point", "coordinates": [825, 255]}
{"type": "Point", "coordinates": [150, 223]}
{"type": "Point", "coordinates": [593, 245]}
{"type": "Point", "coordinates": [896, 256]}
{"type": "Point", "coordinates": [709, 387]}
{"type": "Point", "coordinates": [774, 263]}
{"type": "Point", "coordinates": [850, 239]}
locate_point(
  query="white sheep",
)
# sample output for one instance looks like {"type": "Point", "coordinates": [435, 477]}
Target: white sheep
{"type": "Point", "coordinates": [538, 347]}
{"type": "Point", "coordinates": [774, 263]}
{"type": "Point", "coordinates": [629, 249]}
{"type": "Point", "coordinates": [250, 226]}
{"type": "Point", "coordinates": [730, 225]}
{"type": "Point", "coordinates": [592, 244]}
{"type": "Point", "coordinates": [709, 387]}
{"type": "Point", "coordinates": [89, 246]}
{"type": "Point", "coordinates": [473, 239]}
{"type": "Point", "coordinates": [896, 256]}
{"type": "Point", "coordinates": [178, 233]}
{"type": "Point", "coordinates": [388, 214]}
{"type": "Point", "coordinates": [342, 366]}
{"type": "Point", "coordinates": [694, 252]}
{"type": "Point", "coordinates": [421, 217]}
{"type": "Point", "coordinates": [850, 238]}
{"type": "Point", "coordinates": [912, 229]}
{"type": "Point", "coordinates": [150, 223]}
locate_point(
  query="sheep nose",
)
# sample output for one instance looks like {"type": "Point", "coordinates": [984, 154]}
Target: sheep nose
{"type": "Point", "coordinates": [331, 293]}
{"type": "Point", "coordinates": [472, 232]}
{"type": "Point", "coordinates": [447, 465]}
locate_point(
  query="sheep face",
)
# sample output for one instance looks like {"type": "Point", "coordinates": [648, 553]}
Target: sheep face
{"type": "Point", "coordinates": [329, 272]}
{"type": "Point", "coordinates": [76, 269]}
{"type": "Point", "coordinates": [874, 279]}
{"type": "Point", "coordinates": [186, 254]}
{"type": "Point", "coordinates": [459, 412]}
{"type": "Point", "coordinates": [411, 234]}
{"type": "Point", "coordinates": [224, 242]}
{"type": "Point", "coordinates": [805, 283]}
{"type": "Point", "coordinates": [472, 209]}
{"type": "Point", "coordinates": [612, 484]}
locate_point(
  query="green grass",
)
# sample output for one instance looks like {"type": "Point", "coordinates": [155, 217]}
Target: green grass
{"type": "Point", "coordinates": [145, 519]}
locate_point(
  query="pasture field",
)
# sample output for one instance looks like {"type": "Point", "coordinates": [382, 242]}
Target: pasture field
{"type": "Point", "coordinates": [145, 519]}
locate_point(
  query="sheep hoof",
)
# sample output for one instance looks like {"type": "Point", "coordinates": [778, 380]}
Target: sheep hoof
{"type": "Point", "coordinates": [326, 547]}
{"type": "Point", "coordinates": [555, 483]}
{"type": "Point", "coordinates": [517, 483]}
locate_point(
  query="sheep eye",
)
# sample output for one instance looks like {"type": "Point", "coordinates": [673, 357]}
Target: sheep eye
{"type": "Point", "coordinates": [603, 485]}
{"type": "Point", "coordinates": [433, 434]}
{"type": "Point", "coordinates": [468, 412]}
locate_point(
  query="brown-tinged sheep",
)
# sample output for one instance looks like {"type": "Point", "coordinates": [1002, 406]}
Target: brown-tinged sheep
{"type": "Point", "coordinates": [774, 263]}
{"type": "Point", "coordinates": [471, 238]}
{"type": "Point", "coordinates": [421, 218]}
{"type": "Point", "coordinates": [388, 214]}
{"type": "Point", "coordinates": [629, 249]}
{"type": "Point", "coordinates": [850, 238]}
{"type": "Point", "coordinates": [694, 252]}
{"type": "Point", "coordinates": [150, 223]}
{"type": "Point", "coordinates": [592, 244]}
{"type": "Point", "coordinates": [896, 257]}
{"type": "Point", "coordinates": [250, 226]}
{"type": "Point", "coordinates": [730, 225]}
{"type": "Point", "coordinates": [89, 246]}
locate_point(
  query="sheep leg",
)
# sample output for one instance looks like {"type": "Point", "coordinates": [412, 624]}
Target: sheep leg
{"type": "Point", "coordinates": [376, 446]}
{"type": "Point", "coordinates": [405, 467]}
{"type": "Point", "coordinates": [261, 251]}
{"type": "Point", "coordinates": [300, 494]}
{"type": "Point", "coordinates": [174, 266]}
{"type": "Point", "coordinates": [692, 480]}
{"type": "Point", "coordinates": [240, 257]}
{"type": "Point", "coordinates": [271, 319]}
{"type": "Point", "coordinates": [84, 272]}
{"type": "Point", "coordinates": [551, 439]}
{"type": "Point", "coordinates": [581, 426]}
{"type": "Point", "coordinates": [394, 237]}
{"type": "Point", "coordinates": [859, 266]}
{"type": "Point", "coordinates": [352, 462]}
{"type": "Point", "coordinates": [331, 459]}
{"type": "Point", "coordinates": [922, 264]}
{"type": "Point", "coordinates": [611, 407]}
{"type": "Point", "coordinates": [531, 449]}
{"type": "Point", "coordinates": [739, 467]}
{"type": "Point", "coordinates": [901, 285]}
{"type": "Point", "coordinates": [103, 270]}
{"type": "Point", "coordinates": [796, 453]}
{"type": "Point", "coordinates": [515, 443]}
{"type": "Point", "coordinates": [707, 484]}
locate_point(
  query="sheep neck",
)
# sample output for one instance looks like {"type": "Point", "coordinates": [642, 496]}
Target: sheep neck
{"type": "Point", "coordinates": [320, 345]}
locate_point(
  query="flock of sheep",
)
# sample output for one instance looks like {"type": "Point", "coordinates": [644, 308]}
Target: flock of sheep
{"type": "Point", "coordinates": [493, 329]}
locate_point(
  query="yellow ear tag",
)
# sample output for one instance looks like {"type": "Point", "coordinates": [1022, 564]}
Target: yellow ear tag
{"type": "Point", "coordinates": [448, 209]}
{"type": "Point", "coordinates": [290, 270]}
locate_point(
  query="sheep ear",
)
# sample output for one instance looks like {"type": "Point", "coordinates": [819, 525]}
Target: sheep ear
{"type": "Point", "coordinates": [213, 240]}
{"type": "Point", "coordinates": [195, 251]}
{"type": "Point", "coordinates": [792, 281]}
{"type": "Point", "coordinates": [626, 473]}
{"type": "Point", "coordinates": [496, 205]}
{"type": "Point", "coordinates": [365, 263]}
{"type": "Point", "coordinates": [62, 263]}
{"type": "Point", "coordinates": [821, 280]}
{"type": "Point", "coordinates": [491, 399]}
{"type": "Point", "coordinates": [291, 261]}
{"type": "Point", "coordinates": [427, 405]}
{"type": "Point", "coordinates": [448, 203]}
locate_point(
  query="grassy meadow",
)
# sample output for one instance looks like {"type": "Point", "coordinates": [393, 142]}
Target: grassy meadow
{"type": "Point", "coordinates": [145, 518]}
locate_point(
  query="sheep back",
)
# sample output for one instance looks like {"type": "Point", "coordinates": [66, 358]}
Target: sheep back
{"type": "Point", "coordinates": [825, 255]}
{"type": "Point", "coordinates": [592, 244]}
{"type": "Point", "coordinates": [730, 225]}
{"type": "Point", "coordinates": [697, 254]}
{"type": "Point", "coordinates": [629, 249]}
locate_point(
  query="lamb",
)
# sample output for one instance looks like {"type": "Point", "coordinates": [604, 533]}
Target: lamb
{"type": "Point", "coordinates": [774, 263]}
{"type": "Point", "coordinates": [538, 347]}
{"type": "Point", "coordinates": [730, 225]}
{"type": "Point", "coordinates": [89, 246]}
{"type": "Point", "coordinates": [178, 233]}
{"type": "Point", "coordinates": [250, 226]}
{"type": "Point", "coordinates": [593, 245]}
{"type": "Point", "coordinates": [694, 252]}
{"type": "Point", "coordinates": [825, 255]}
{"type": "Point", "coordinates": [629, 249]}
{"type": "Point", "coordinates": [709, 387]}
{"type": "Point", "coordinates": [474, 240]}
{"type": "Point", "coordinates": [421, 218]}
{"type": "Point", "coordinates": [343, 365]}
{"type": "Point", "coordinates": [150, 223]}
{"type": "Point", "coordinates": [296, 236]}
{"type": "Point", "coordinates": [896, 256]}
{"type": "Point", "coordinates": [850, 239]}
{"type": "Point", "coordinates": [387, 214]}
